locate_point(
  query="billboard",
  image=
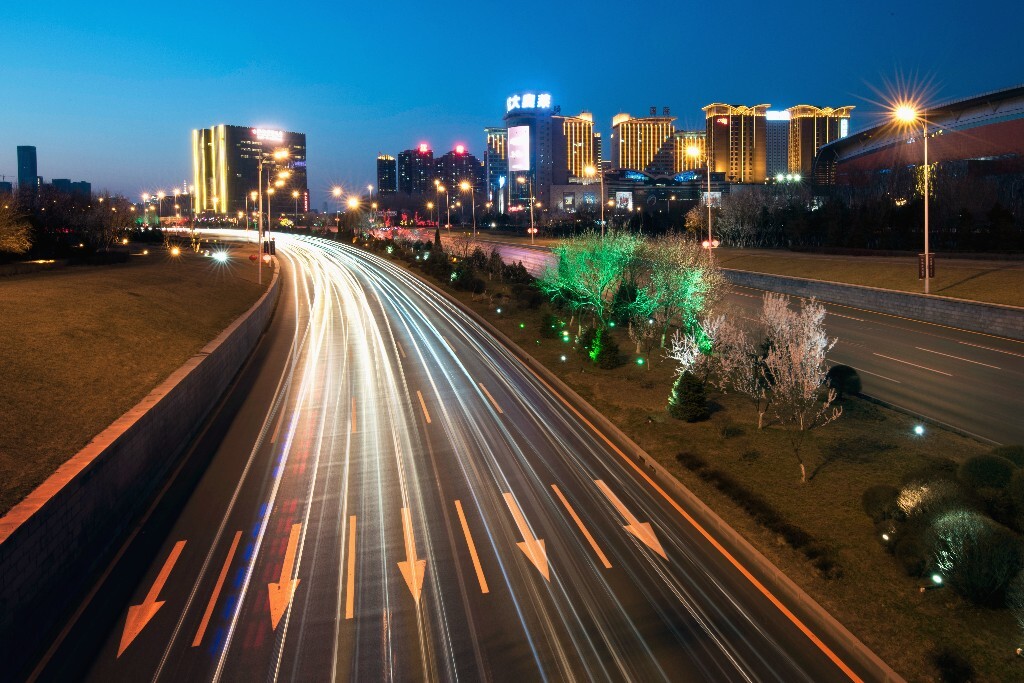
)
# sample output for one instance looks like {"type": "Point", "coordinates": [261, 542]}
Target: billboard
{"type": "Point", "coordinates": [519, 148]}
{"type": "Point", "coordinates": [624, 200]}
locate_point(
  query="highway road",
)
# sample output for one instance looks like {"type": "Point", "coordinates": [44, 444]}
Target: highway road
{"type": "Point", "coordinates": [397, 497]}
{"type": "Point", "coordinates": [967, 380]}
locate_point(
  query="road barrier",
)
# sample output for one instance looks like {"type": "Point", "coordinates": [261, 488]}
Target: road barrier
{"type": "Point", "coordinates": [55, 542]}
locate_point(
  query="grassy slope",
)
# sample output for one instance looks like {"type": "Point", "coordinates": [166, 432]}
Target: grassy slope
{"type": "Point", "coordinates": [80, 346]}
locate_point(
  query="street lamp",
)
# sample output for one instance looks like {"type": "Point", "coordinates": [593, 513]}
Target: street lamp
{"type": "Point", "coordinates": [907, 115]}
{"type": "Point", "coordinates": [430, 208]}
{"type": "Point", "coordinates": [522, 181]}
{"type": "Point", "coordinates": [466, 186]}
{"type": "Point", "coordinates": [276, 155]}
{"type": "Point", "coordinates": [590, 172]}
{"type": "Point", "coordinates": [295, 215]}
{"type": "Point", "coordinates": [693, 151]}
{"type": "Point", "coordinates": [159, 206]}
{"type": "Point", "coordinates": [448, 207]}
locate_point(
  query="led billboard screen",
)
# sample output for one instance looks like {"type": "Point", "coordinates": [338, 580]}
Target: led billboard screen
{"type": "Point", "coordinates": [519, 148]}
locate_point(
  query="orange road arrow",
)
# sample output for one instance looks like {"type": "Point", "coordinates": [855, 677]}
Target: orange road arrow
{"type": "Point", "coordinates": [532, 547]}
{"type": "Point", "coordinates": [139, 615]}
{"type": "Point", "coordinates": [642, 530]}
{"type": "Point", "coordinates": [281, 592]}
{"type": "Point", "coordinates": [412, 569]}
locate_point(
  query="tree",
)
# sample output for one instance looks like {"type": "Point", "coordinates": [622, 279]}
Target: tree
{"type": "Point", "coordinates": [741, 367]}
{"type": "Point", "coordinates": [795, 362]}
{"type": "Point", "coordinates": [590, 271]}
{"type": "Point", "coordinates": [678, 282]}
{"type": "Point", "coordinates": [15, 231]}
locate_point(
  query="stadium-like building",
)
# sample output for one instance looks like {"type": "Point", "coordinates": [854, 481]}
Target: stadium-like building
{"type": "Point", "coordinates": [985, 132]}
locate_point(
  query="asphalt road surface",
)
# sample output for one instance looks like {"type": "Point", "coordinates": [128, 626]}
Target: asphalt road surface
{"type": "Point", "coordinates": [399, 498]}
{"type": "Point", "coordinates": [967, 380]}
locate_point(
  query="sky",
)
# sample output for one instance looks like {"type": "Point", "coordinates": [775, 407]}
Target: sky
{"type": "Point", "coordinates": [109, 92]}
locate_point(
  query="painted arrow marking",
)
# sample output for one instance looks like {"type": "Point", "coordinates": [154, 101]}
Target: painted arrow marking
{"type": "Point", "coordinates": [412, 569]}
{"type": "Point", "coordinates": [532, 547]}
{"type": "Point", "coordinates": [281, 592]}
{"type": "Point", "coordinates": [642, 530]}
{"type": "Point", "coordinates": [139, 615]}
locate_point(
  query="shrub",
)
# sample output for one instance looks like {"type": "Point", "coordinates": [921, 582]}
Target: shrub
{"type": "Point", "coordinates": [843, 379]}
{"type": "Point", "coordinates": [952, 665]}
{"type": "Point", "coordinates": [607, 351]}
{"type": "Point", "coordinates": [550, 326]}
{"type": "Point", "coordinates": [923, 500]}
{"type": "Point", "coordinates": [688, 400]}
{"type": "Point", "coordinates": [986, 471]}
{"type": "Point", "coordinates": [879, 502]}
{"type": "Point", "coordinates": [1014, 453]}
{"type": "Point", "coordinates": [730, 430]}
{"type": "Point", "coordinates": [750, 455]}
{"type": "Point", "coordinates": [527, 295]}
{"type": "Point", "coordinates": [1015, 598]}
{"type": "Point", "coordinates": [586, 340]}
{"type": "Point", "coordinates": [1016, 491]}
{"type": "Point", "coordinates": [976, 556]}
{"type": "Point", "coordinates": [912, 554]}
{"type": "Point", "coordinates": [691, 461]}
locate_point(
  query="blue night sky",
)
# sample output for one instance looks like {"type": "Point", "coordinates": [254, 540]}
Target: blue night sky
{"type": "Point", "coordinates": [109, 92]}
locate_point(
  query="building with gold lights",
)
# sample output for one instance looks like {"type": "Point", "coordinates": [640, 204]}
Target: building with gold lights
{"type": "Point", "coordinates": [576, 148]}
{"type": "Point", "coordinates": [690, 150]}
{"type": "Point", "coordinates": [644, 144]}
{"type": "Point", "coordinates": [737, 141]}
{"type": "Point", "coordinates": [225, 162]}
{"type": "Point", "coordinates": [810, 129]}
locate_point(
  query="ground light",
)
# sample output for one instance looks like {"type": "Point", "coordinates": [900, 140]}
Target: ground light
{"type": "Point", "coordinates": [937, 579]}
{"type": "Point", "coordinates": [220, 256]}
{"type": "Point", "coordinates": [563, 358]}
{"type": "Point", "coordinates": [498, 311]}
{"type": "Point", "coordinates": [919, 430]}
{"type": "Point", "coordinates": [639, 361]}
{"type": "Point", "coordinates": [175, 251]}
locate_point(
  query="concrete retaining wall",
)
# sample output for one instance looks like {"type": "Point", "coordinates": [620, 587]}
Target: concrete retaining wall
{"type": "Point", "coordinates": [54, 542]}
{"type": "Point", "coordinates": [1004, 321]}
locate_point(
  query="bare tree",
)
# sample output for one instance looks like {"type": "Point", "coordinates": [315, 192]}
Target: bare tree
{"type": "Point", "coordinates": [796, 366]}
{"type": "Point", "coordinates": [15, 231]}
{"type": "Point", "coordinates": [741, 367]}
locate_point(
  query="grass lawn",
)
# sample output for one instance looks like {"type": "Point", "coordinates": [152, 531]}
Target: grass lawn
{"type": "Point", "coordinates": [868, 445]}
{"type": "Point", "coordinates": [82, 345]}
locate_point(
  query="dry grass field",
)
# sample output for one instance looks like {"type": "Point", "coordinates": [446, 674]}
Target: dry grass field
{"type": "Point", "coordinates": [81, 345]}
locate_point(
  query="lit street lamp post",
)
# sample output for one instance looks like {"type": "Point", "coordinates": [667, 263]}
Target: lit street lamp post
{"type": "Point", "coordinates": [908, 115]}
{"type": "Point", "coordinates": [466, 186]}
{"type": "Point", "coordinates": [533, 230]}
{"type": "Point", "coordinates": [277, 155]}
{"type": "Point", "coordinates": [295, 215]}
{"type": "Point", "coordinates": [694, 151]}
{"type": "Point", "coordinates": [590, 172]}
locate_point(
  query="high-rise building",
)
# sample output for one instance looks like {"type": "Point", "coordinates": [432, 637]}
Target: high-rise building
{"type": "Point", "coordinates": [690, 150]}
{"type": "Point", "coordinates": [737, 141]}
{"type": "Point", "coordinates": [80, 188]}
{"type": "Point", "coordinates": [28, 172]}
{"type": "Point", "coordinates": [496, 166]}
{"type": "Point", "coordinates": [225, 163]}
{"type": "Point", "coordinates": [810, 128]}
{"type": "Point", "coordinates": [416, 170]}
{"type": "Point", "coordinates": [387, 174]}
{"type": "Point", "coordinates": [777, 137]}
{"type": "Point", "coordinates": [457, 166]}
{"type": "Point", "coordinates": [529, 119]}
{"type": "Point", "coordinates": [6, 187]}
{"type": "Point", "coordinates": [644, 144]}
{"type": "Point", "coordinates": [575, 151]}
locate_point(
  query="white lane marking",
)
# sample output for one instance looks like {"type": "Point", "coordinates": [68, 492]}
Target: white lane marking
{"type": "Point", "coordinates": [914, 365]}
{"type": "Point", "coordinates": [848, 317]}
{"type": "Point", "coordinates": [947, 355]}
{"type": "Point", "coordinates": [875, 374]}
{"type": "Point", "coordinates": [989, 348]}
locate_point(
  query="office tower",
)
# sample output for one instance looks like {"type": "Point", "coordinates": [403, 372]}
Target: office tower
{"type": "Point", "coordinates": [777, 138]}
{"type": "Point", "coordinates": [387, 174]}
{"type": "Point", "coordinates": [644, 144]}
{"type": "Point", "coordinates": [28, 173]}
{"type": "Point", "coordinates": [810, 128]}
{"type": "Point", "coordinates": [737, 142]}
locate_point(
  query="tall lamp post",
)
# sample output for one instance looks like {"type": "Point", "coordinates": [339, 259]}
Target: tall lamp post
{"type": "Point", "coordinates": [159, 207]}
{"type": "Point", "coordinates": [466, 186]}
{"type": "Point", "coordinates": [694, 152]}
{"type": "Point", "coordinates": [276, 155]}
{"type": "Point", "coordinates": [908, 115]}
{"type": "Point", "coordinates": [590, 172]}
{"type": "Point", "coordinates": [448, 206]}
{"type": "Point", "coordinates": [522, 181]}
{"type": "Point", "coordinates": [295, 214]}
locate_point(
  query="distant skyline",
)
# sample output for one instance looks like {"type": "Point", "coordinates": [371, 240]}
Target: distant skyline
{"type": "Point", "coordinates": [109, 94]}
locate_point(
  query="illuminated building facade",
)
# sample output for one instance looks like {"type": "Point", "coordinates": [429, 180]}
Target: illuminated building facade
{"type": "Point", "coordinates": [529, 119]}
{"type": "Point", "coordinates": [575, 149]}
{"type": "Point", "coordinates": [737, 141]}
{"type": "Point", "coordinates": [684, 141]}
{"type": "Point", "coordinates": [225, 166]}
{"type": "Point", "coordinates": [810, 129]}
{"type": "Point", "coordinates": [416, 170]}
{"type": "Point", "coordinates": [387, 174]}
{"type": "Point", "coordinates": [496, 166]}
{"type": "Point", "coordinates": [644, 144]}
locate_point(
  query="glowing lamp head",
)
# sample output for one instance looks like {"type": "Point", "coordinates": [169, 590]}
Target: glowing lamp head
{"type": "Point", "coordinates": [464, 186]}
{"type": "Point", "coordinates": [175, 251]}
{"type": "Point", "coordinates": [281, 154]}
{"type": "Point", "coordinates": [353, 203]}
{"type": "Point", "coordinates": [590, 171]}
{"type": "Point", "coordinates": [693, 151]}
{"type": "Point", "coordinates": [336, 191]}
{"type": "Point", "coordinates": [905, 113]}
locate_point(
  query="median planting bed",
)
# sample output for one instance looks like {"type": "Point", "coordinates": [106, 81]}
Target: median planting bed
{"type": "Point", "coordinates": [827, 533]}
{"type": "Point", "coordinates": [81, 345]}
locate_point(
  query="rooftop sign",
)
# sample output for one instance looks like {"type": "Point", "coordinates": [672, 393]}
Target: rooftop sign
{"type": "Point", "coordinates": [528, 101]}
